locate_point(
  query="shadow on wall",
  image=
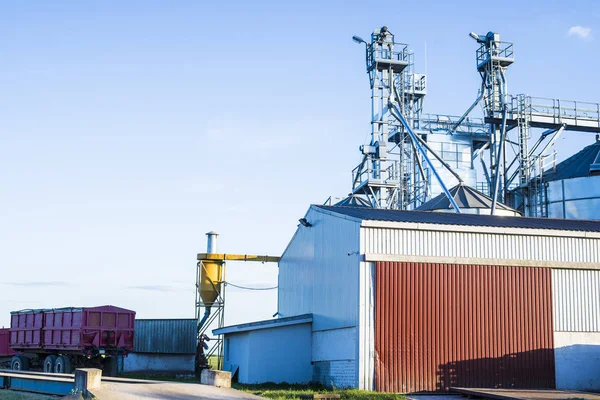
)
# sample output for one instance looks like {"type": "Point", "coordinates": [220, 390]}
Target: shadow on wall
{"type": "Point", "coordinates": [578, 367]}
{"type": "Point", "coordinates": [527, 370]}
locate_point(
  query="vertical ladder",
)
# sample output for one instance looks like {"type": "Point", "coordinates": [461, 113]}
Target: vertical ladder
{"type": "Point", "coordinates": [523, 121]}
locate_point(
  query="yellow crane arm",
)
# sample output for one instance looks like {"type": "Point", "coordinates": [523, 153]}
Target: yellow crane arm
{"type": "Point", "coordinates": [237, 257]}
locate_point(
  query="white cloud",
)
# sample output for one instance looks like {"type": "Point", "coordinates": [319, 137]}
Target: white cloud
{"type": "Point", "coordinates": [580, 31]}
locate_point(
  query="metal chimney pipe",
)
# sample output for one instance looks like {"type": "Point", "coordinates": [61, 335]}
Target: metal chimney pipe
{"type": "Point", "coordinates": [211, 245]}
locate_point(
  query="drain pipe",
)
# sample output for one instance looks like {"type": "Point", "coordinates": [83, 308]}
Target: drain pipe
{"type": "Point", "coordinates": [204, 318]}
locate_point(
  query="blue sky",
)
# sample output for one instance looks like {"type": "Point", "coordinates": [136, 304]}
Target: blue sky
{"type": "Point", "coordinates": [129, 129]}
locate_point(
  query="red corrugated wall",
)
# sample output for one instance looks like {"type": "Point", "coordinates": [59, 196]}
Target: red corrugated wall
{"type": "Point", "coordinates": [444, 325]}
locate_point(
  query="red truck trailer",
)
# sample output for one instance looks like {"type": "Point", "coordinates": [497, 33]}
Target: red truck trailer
{"type": "Point", "coordinates": [5, 350]}
{"type": "Point", "coordinates": [59, 340]}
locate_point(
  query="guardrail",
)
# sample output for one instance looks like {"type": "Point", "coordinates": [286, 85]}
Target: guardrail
{"type": "Point", "coordinates": [361, 175]}
{"type": "Point", "coordinates": [53, 384]}
{"type": "Point", "coordinates": [387, 51]}
{"type": "Point", "coordinates": [557, 109]}
{"type": "Point", "coordinates": [496, 50]}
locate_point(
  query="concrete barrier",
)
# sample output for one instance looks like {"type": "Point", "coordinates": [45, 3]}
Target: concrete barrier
{"type": "Point", "coordinates": [87, 379]}
{"type": "Point", "coordinates": [215, 378]}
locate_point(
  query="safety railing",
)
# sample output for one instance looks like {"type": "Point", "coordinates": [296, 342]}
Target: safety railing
{"type": "Point", "coordinates": [556, 109]}
{"type": "Point", "coordinates": [438, 122]}
{"type": "Point", "coordinates": [415, 83]}
{"type": "Point", "coordinates": [395, 52]}
{"type": "Point", "coordinates": [495, 50]}
{"type": "Point", "coordinates": [362, 173]}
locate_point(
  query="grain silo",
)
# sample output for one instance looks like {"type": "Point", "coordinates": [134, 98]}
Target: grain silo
{"type": "Point", "coordinates": [572, 188]}
{"type": "Point", "coordinates": [407, 301]}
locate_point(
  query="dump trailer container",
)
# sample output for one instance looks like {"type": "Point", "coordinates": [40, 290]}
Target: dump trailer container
{"type": "Point", "coordinates": [59, 340]}
{"type": "Point", "coordinates": [5, 350]}
{"type": "Point", "coordinates": [6, 353]}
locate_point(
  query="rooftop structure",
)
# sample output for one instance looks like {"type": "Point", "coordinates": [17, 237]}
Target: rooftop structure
{"type": "Point", "coordinates": [469, 200]}
{"type": "Point", "coordinates": [413, 156]}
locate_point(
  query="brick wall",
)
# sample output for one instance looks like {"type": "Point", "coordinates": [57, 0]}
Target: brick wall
{"type": "Point", "coordinates": [341, 374]}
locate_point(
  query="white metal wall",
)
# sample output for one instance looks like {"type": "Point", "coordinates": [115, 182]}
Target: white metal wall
{"type": "Point", "coordinates": [576, 308]}
{"type": "Point", "coordinates": [319, 272]}
{"type": "Point", "coordinates": [280, 354]}
{"type": "Point", "coordinates": [414, 242]}
{"type": "Point", "coordinates": [366, 329]}
{"type": "Point", "coordinates": [577, 360]}
{"type": "Point", "coordinates": [576, 300]}
{"type": "Point", "coordinates": [295, 279]}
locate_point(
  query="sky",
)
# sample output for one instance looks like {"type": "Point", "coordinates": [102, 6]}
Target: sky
{"type": "Point", "coordinates": [129, 129]}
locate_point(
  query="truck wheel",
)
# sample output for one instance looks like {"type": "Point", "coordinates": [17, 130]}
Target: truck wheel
{"type": "Point", "coordinates": [19, 363]}
{"type": "Point", "coordinates": [62, 365]}
{"type": "Point", "coordinates": [49, 363]}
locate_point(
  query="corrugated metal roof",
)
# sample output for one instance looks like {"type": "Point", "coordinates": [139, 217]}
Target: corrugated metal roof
{"type": "Point", "coordinates": [265, 324]}
{"type": "Point", "coordinates": [426, 217]}
{"type": "Point", "coordinates": [576, 166]}
{"type": "Point", "coordinates": [166, 336]}
{"type": "Point", "coordinates": [464, 196]}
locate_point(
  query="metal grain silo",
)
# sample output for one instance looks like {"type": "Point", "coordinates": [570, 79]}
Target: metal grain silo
{"type": "Point", "coordinates": [572, 189]}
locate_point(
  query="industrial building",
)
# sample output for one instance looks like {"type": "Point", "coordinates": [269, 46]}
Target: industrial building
{"type": "Point", "coordinates": [162, 346]}
{"type": "Point", "coordinates": [413, 156]}
{"type": "Point", "coordinates": [408, 301]}
{"type": "Point", "coordinates": [427, 277]}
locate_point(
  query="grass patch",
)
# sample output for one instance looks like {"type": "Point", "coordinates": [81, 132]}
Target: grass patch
{"type": "Point", "coordinates": [291, 392]}
{"type": "Point", "coordinates": [214, 361]}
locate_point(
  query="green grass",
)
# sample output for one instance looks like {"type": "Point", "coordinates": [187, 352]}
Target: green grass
{"type": "Point", "coordinates": [291, 392]}
{"type": "Point", "coordinates": [214, 361]}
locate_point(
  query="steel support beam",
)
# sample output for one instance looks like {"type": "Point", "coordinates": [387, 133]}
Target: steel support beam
{"type": "Point", "coordinates": [497, 172]}
{"type": "Point", "coordinates": [466, 114]}
{"type": "Point", "coordinates": [418, 143]}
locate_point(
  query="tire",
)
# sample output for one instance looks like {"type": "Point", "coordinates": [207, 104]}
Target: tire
{"type": "Point", "coordinates": [49, 363]}
{"type": "Point", "coordinates": [19, 363]}
{"type": "Point", "coordinates": [62, 365]}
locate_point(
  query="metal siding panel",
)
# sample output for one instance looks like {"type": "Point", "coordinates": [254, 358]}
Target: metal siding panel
{"type": "Point", "coordinates": [575, 296]}
{"type": "Point", "coordinates": [319, 272]}
{"type": "Point", "coordinates": [443, 325]}
{"type": "Point", "coordinates": [166, 336]}
{"type": "Point", "coordinates": [412, 242]}
{"type": "Point", "coordinates": [295, 278]}
{"type": "Point", "coordinates": [366, 331]}
{"type": "Point", "coordinates": [270, 358]}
